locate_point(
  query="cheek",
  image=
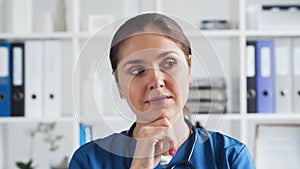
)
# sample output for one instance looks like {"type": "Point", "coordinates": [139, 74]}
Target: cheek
{"type": "Point", "coordinates": [182, 82]}
{"type": "Point", "coordinates": [134, 92]}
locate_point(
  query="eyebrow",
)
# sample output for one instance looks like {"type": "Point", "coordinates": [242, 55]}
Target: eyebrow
{"type": "Point", "coordinates": [138, 61]}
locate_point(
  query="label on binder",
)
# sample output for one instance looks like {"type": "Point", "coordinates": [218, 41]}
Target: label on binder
{"type": "Point", "coordinates": [250, 61]}
{"type": "Point", "coordinates": [3, 62]}
{"type": "Point", "coordinates": [265, 62]}
{"type": "Point", "coordinates": [281, 60]}
{"type": "Point", "coordinates": [297, 62]}
{"type": "Point", "coordinates": [17, 66]}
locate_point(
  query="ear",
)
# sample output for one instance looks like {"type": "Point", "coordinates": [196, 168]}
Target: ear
{"type": "Point", "coordinates": [118, 85]}
{"type": "Point", "coordinates": [190, 60]}
{"type": "Point", "coordinates": [190, 69]}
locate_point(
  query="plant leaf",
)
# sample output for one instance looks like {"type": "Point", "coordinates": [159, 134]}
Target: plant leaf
{"type": "Point", "coordinates": [21, 165]}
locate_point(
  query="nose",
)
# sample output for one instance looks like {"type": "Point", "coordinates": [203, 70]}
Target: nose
{"type": "Point", "coordinates": [156, 78]}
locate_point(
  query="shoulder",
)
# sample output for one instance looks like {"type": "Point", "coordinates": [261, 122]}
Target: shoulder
{"type": "Point", "coordinates": [228, 151]}
{"type": "Point", "coordinates": [219, 139]}
{"type": "Point", "coordinates": [107, 148]}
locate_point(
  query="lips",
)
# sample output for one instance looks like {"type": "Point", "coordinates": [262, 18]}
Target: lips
{"type": "Point", "coordinates": [158, 99]}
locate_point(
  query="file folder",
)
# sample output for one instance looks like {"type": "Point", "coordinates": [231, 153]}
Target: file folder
{"type": "Point", "coordinates": [5, 79]}
{"type": "Point", "coordinates": [52, 75]}
{"type": "Point", "coordinates": [18, 95]}
{"type": "Point", "coordinates": [34, 78]}
{"type": "Point", "coordinates": [283, 78]}
{"type": "Point", "coordinates": [265, 102]}
{"type": "Point", "coordinates": [18, 16]}
{"type": "Point", "coordinates": [296, 75]}
{"type": "Point", "coordinates": [251, 76]}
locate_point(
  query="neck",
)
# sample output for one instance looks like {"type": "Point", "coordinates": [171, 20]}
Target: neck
{"type": "Point", "coordinates": [181, 130]}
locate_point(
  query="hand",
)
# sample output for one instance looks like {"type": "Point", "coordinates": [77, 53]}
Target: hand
{"type": "Point", "coordinates": [153, 139]}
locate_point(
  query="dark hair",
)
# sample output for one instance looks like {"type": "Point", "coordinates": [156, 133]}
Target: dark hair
{"type": "Point", "coordinates": [158, 24]}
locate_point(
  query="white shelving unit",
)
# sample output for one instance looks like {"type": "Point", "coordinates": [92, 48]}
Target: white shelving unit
{"type": "Point", "coordinates": [229, 44]}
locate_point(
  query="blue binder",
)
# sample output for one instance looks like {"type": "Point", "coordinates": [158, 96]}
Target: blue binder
{"type": "Point", "coordinates": [82, 134]}
{"type": "Point", "coordinates": [265, 99]}
{"type": "Point", "coordinates": [5, 79]}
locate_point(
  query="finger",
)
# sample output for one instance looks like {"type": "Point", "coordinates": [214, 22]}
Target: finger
{"type": "Point", "coordinates": [172, 151]}
{"type": "Point", "coordinates": [159, 148]}
{"type": "Point", "coordinates": [170, 143]}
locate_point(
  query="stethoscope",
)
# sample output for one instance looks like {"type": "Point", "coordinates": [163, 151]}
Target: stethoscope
{"type": "Point", "coordinates": [185, 163]}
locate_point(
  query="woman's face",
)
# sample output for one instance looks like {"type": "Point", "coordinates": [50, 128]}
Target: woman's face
{"type": "Point", "coordinates": [154, 76]}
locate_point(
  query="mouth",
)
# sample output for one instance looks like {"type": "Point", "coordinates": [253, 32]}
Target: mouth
{"type": "Point", "coordinates": [159, 99]}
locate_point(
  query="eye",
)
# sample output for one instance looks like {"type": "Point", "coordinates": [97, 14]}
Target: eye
{"type": "Point", "coordinates": [137, 70]}
{"type": "Point", "coordinates": [169, 63]}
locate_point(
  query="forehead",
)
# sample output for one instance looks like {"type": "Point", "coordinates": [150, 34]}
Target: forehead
{"type": "Point", "coordinates": [147, 42]}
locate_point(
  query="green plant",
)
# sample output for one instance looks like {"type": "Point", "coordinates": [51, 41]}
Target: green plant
{"type": "Point", "coordinates": [47, 130]}
{"type": "Point", "coordinates": [27, 165]}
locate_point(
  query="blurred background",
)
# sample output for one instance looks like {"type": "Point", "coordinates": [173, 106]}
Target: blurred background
{"type": "Point", "coordinates": [57, 91]}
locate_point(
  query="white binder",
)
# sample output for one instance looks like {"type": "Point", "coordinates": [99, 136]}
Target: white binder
{"type": "Point", "coordinates": [283, 75]}
{"type": "Point", "coordinates": [52, 78]}
{"type": "Point", "coordinates": [34, 78]}
{"type": "Point", "coordinates": [296, 74]}
{"type": "Point", "coordinates": [19, 16]}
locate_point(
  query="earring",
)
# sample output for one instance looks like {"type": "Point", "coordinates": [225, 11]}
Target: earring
{"type": "Point", "coordinates": [121, 95]}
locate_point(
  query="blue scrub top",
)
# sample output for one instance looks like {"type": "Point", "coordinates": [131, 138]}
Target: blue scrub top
{"type": "Point", "coordinates": [203, 149]}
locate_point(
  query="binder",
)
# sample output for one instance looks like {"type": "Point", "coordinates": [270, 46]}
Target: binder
{"type": "Point", "coordinates": [18, 95]}
{"type": "Point", "coordinates": [15, 10]}
{"type": "Point", "coordinates": [82, 137]}
{"type": "Point", "coordinates": [251, 76]}
{"type": "Point", "coordinates": [283, 78]}
{"type": "Point", "coordinates": [52, 78]}
{"type": "Point", "coordinates": [265, 76]}
{"type": "Point", "coordinates": [296, 75]}
{"type": "Point", "coordinates": [5, 79]}
{"type": "Point", "coordinates": [34, 78]}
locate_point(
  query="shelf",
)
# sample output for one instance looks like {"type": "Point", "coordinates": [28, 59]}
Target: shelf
{"type": "Point", "coordinates": [272, 116]}
{"type": "Point", "coordinates": [247, 117]}
{"type": "Point", "coordinates": [56, 35]}
{"type": "Point", "coordinates": [228, 117]}
{"type": "Point", "coordinates": [88, 35]}
{"type": "Point", "coordinates": [261, 33]}
{"type": "Point", "coordinates": [216, 33]}
{"type": "Point", "coordinates": [200, 33]}
{"type": "Point", "coordinates": [6, 120]}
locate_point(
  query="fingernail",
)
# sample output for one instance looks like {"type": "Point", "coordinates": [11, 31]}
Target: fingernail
{"type": "Point", "coordinates": [172, 151]}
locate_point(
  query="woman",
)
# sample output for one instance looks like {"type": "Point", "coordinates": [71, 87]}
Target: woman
{"type": "Point", "coordinates": [151, 61]}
